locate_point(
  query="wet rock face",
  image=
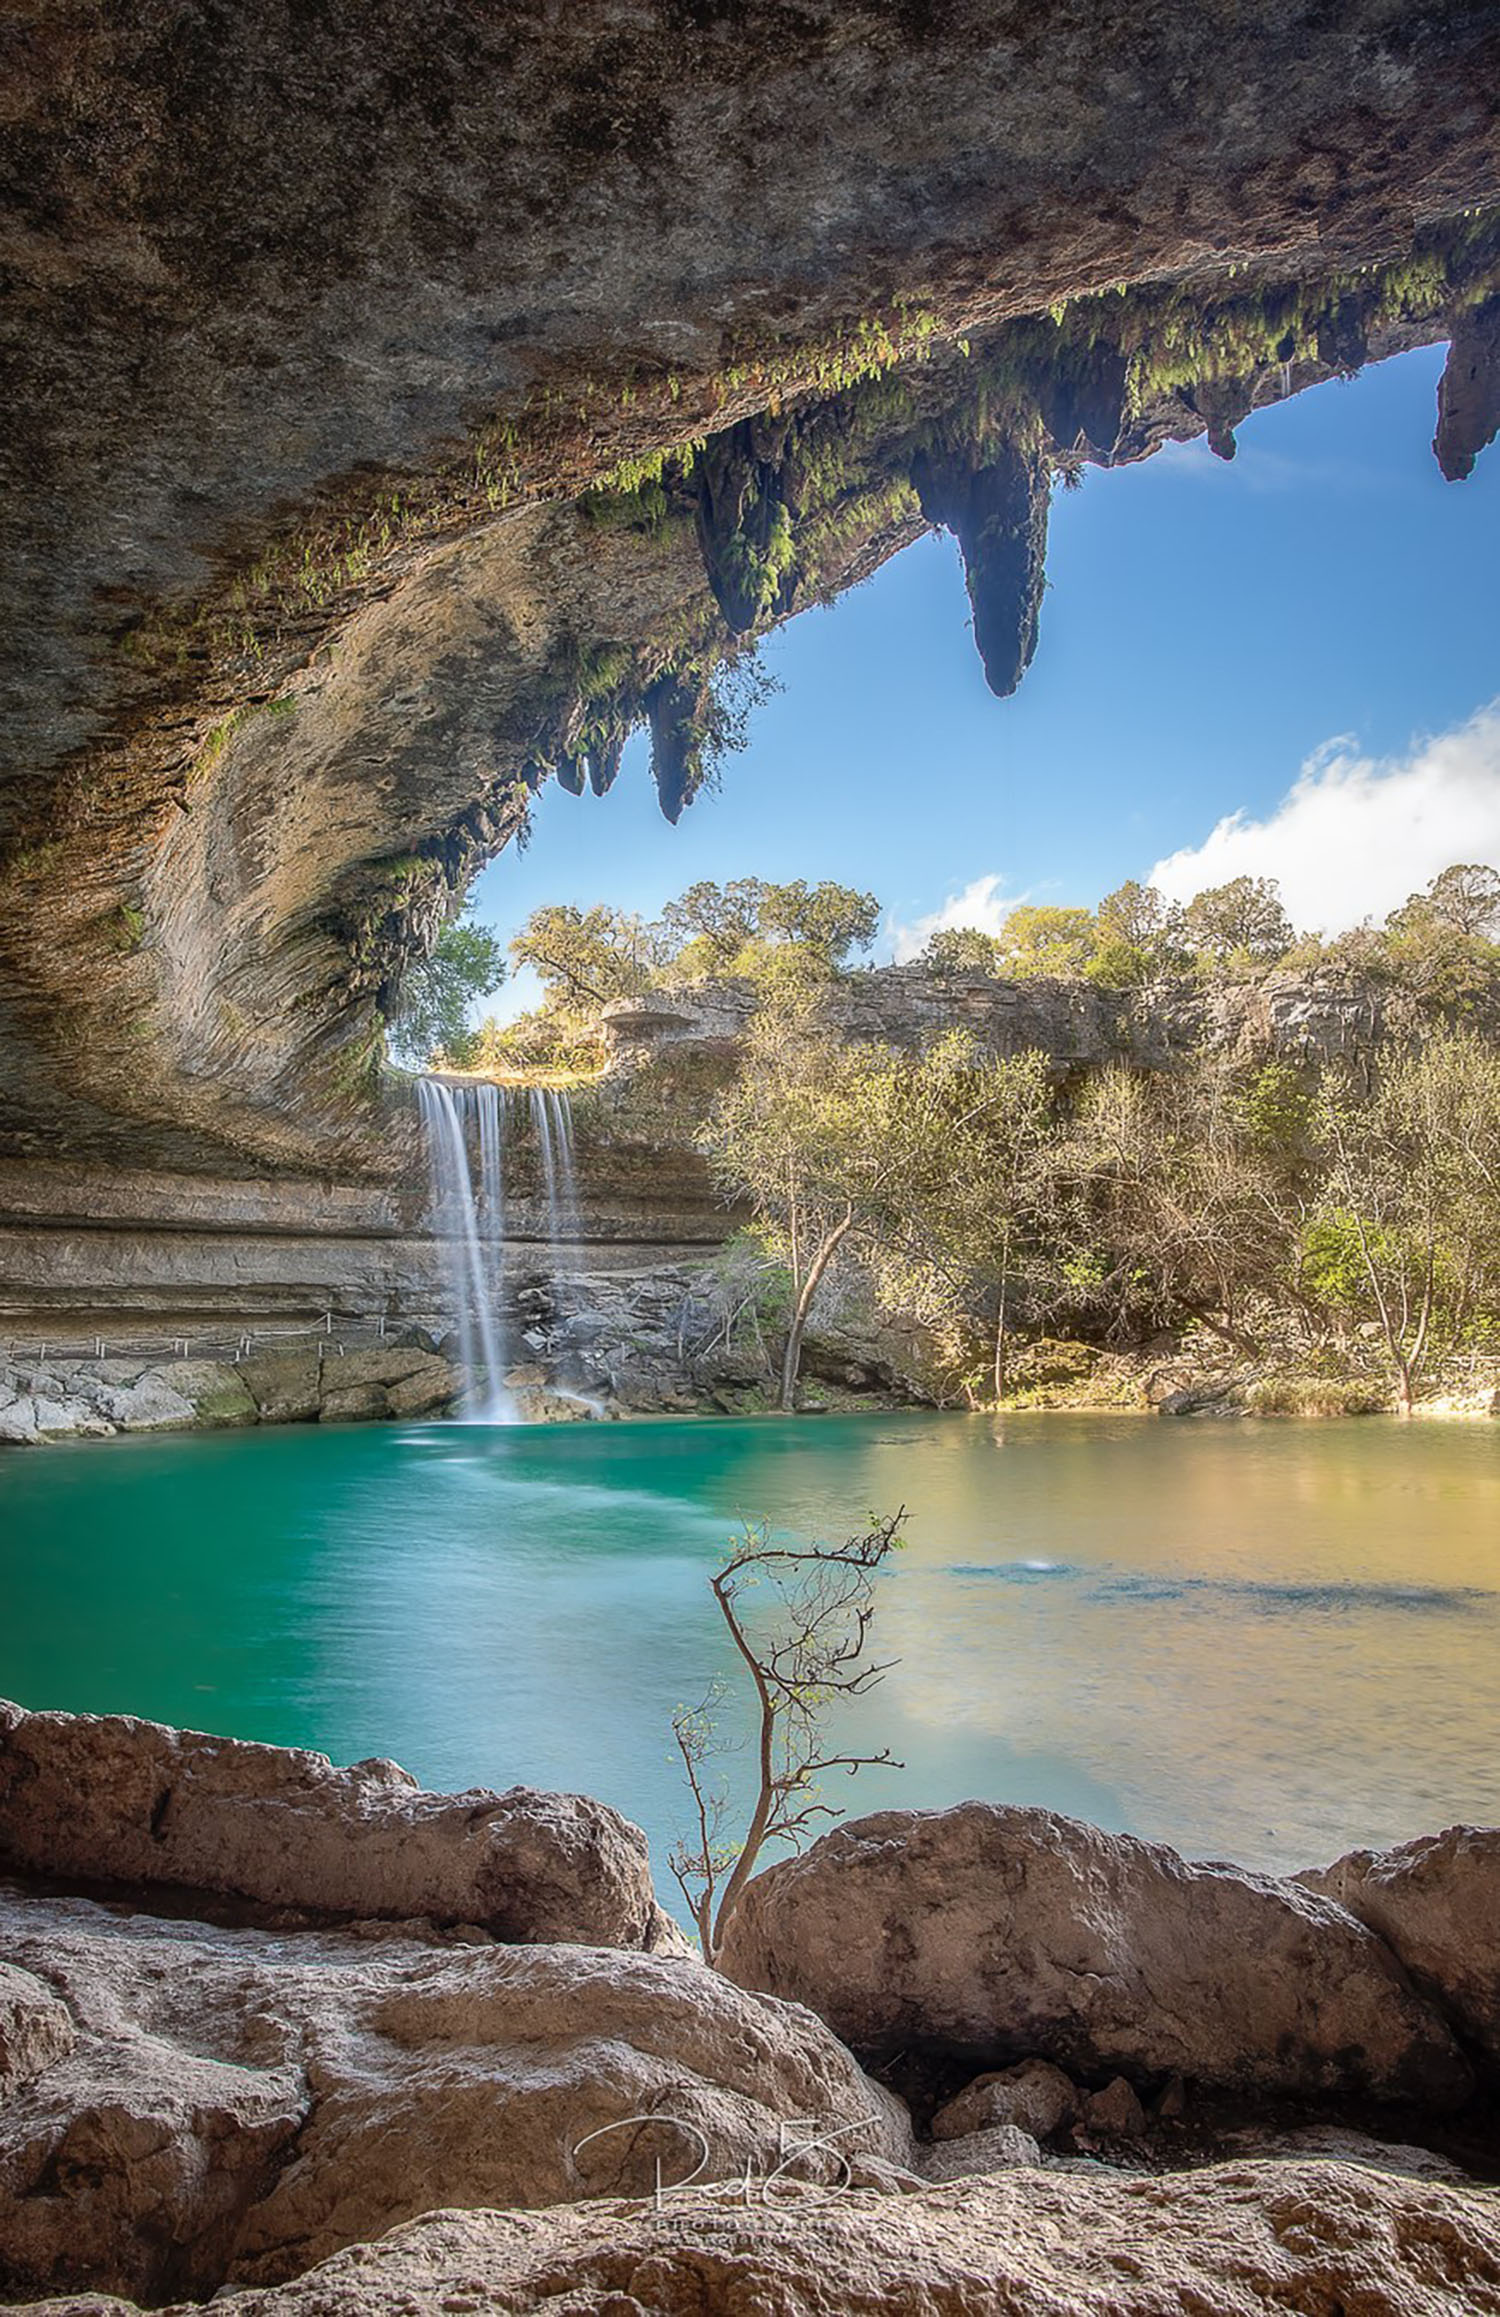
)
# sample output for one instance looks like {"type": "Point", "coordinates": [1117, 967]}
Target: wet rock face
{"type": "Point", "coordinates": [105, 1798]}
{"type": "Point", "coordinates": [993, 1933]}
{"type": "Point", "coordinates": [1302, 2238]}
{"type": "Point", "coordinates": [239, 2105]}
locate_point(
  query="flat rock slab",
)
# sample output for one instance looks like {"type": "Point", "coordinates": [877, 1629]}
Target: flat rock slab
{"type": "Point", "coordinates": [1304, 2239]}
{"type": "Point", "coordinates": [991, 1934]}
{"type": "Point", "coordinates": [1436, 1903]}
{"type": "Point", "coordinates": [237, 2104]}
{"type": "Point", "coordinates": [105, 1798]}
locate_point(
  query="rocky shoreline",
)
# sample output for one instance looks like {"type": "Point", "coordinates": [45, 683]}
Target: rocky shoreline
{"type": "Point", "coordinates": [256, 2011]}
{"type": "Point", "coordinates": [83, 1399]}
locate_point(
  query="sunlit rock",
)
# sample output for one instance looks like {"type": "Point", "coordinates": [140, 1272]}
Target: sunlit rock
{"type": "Point", "coordinates": [993, 1933]}
{"type": "Point", "coordinates": [1300, 2238]}
{"type": "Point", "coordinates": [109, 1798]}
{"type": "Point", "coordinates": [1436, 1904]}
{"type": "Point", "coordinates": [239, 2104]}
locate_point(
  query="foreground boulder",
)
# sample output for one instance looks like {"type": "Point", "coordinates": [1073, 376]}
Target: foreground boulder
{"type": "Point", "coordinates": [991, 1934]}
{"type": "Point", "coordinates": [232, 2104]}
{"type": "Point", "coordinates": [1436, 1903]}
{"type": "Point", "coordinates": [105, 1798]}
{"type": "Point", "coordinates": [1305, 2239]}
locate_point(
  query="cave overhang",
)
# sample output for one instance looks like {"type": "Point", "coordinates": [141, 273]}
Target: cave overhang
{"type": "Point", "coordinates": [410, 411]}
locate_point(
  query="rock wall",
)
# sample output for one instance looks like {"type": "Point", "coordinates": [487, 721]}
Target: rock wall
{"type": "Point", "coordinates": [188, 1263]}
{"type": "Point", "coordinates": [1304, 1018]}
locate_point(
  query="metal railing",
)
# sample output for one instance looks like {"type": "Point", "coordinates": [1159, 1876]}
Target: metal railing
{"type": "Point", "coordinates": [226, 1346]}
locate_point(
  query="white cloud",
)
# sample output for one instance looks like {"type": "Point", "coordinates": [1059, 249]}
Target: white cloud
{"type": "Point", "coordinates": [985, 904]}
{"type": "Point", "coordinates": [1354, 835]}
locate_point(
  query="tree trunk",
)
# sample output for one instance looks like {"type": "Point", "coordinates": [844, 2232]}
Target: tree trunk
{"type": "Point", "coordinates": [791, 1360]}
{"type": "Point", "coordinates": [1002, 1298]}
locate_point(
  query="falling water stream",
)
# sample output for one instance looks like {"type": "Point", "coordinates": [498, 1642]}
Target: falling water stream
{"type": "Point", "coordinates": [469, 1218]}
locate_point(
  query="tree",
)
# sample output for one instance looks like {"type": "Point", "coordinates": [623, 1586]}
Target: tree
{"type": "Point", "coordinates": [1140, 935]}
{"type": "Point", "coordinates": [1036, 940]}
{"type": "Point", "coordinates": [924, 1167]}
{"type": "Point", "coordinates": [799, 1133]}
{"type": "Point", "coordinates": [1467, 897]}
{"type": "Point", "coordinates": [1176, 1196]}
{"type": "Point", "coordinates": [972, 1243]}
{"type": "Point", "coordinates": [739, 928]}
{"type": "Point", "coordinates": [1407, 1232]}
{"type": "Point", "coordinates": [961, 949]}
{"type": "Point", "coordinates": [710, 924]}
{"type": "Point", "coordinates": [810, 1656]}
{"type": "Point", "coordinates": [1243, 920]}
{"type": "Point", "coordinates": [588, 956]}
{"type": "Point", "coordinates": [1442, 943]}
{"type": "Point", "coordinates": [829, 919]}
{"type": "Point", "coordinates": [466, 964]}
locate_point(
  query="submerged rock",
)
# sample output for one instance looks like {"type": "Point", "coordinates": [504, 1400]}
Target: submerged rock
{"type": "Point", "coordinates": [990, 1933]}
{"type": "Point", "coordinates": [240, 2104]}
{"type": "Point", "coordinates": [1303, 2239]}
{"type": "Point", "coordinates": [106, 1798]}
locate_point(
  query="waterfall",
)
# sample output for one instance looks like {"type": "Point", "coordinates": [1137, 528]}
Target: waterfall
{"type": "Point", "coordinates": [470, 1220]}
{"type": "Point", "coordinates": [552, 1123]}
{"type": "Point", "coordinates": [476, 1267]}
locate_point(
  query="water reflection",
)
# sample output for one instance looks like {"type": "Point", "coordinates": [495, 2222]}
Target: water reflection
{"type": "Point", "coordinates": [1267, 1642]}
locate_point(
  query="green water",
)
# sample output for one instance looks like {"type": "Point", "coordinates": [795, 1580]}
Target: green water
{"type": "Point", "coordinates": [1265, 1642]}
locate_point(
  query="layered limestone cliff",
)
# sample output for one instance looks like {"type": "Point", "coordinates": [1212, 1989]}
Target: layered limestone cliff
{"type": "Point", "coordinates": [189, 1263]}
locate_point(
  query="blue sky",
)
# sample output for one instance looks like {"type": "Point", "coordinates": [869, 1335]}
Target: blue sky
{"type": "Point", "coordinates": [1208, 629]}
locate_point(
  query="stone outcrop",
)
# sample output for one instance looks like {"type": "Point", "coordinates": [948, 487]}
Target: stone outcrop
{"type": "Point", "coordinates": [69, 1399]}
{"type": "Point", "coordinates": [991, 1934]}
{"type": "Point", "coordinates": [108, 1799]}
{"type": "Point", "coordinates": [1307, 1018]}
{"type": "Point", "coordinates": [238, 2104]}
{"type": "Point", "coordinates": [1436, 1904]}
{"type": "Point", "coordinates": [1303, 2238]}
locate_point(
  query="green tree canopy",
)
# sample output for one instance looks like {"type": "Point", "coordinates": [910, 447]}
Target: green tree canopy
{"type": "Point", "coordinates": [961, 949]}
{"type": "Point", "coordinates": [1037, 939]}
{"type": "Point", "coordinates": [1241, 921]}
{"type": "Point", "coordinates": [466, 964]}
{"type": "Point", "coordinates": [586, 957]}
{"type": "Point", "coordinates": [1466, 896]}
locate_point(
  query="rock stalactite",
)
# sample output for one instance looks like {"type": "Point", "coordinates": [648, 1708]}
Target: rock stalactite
{"type": "Point", "coordinates": [997, 511]}
{"type": "Point", "coordinates": [1469, 392]}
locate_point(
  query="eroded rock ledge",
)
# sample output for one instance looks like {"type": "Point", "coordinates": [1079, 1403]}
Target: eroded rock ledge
{"type": "Point", "coordinates": [107, 1798]}
{"type": "Point", "coordinates": [1305, 2239]}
